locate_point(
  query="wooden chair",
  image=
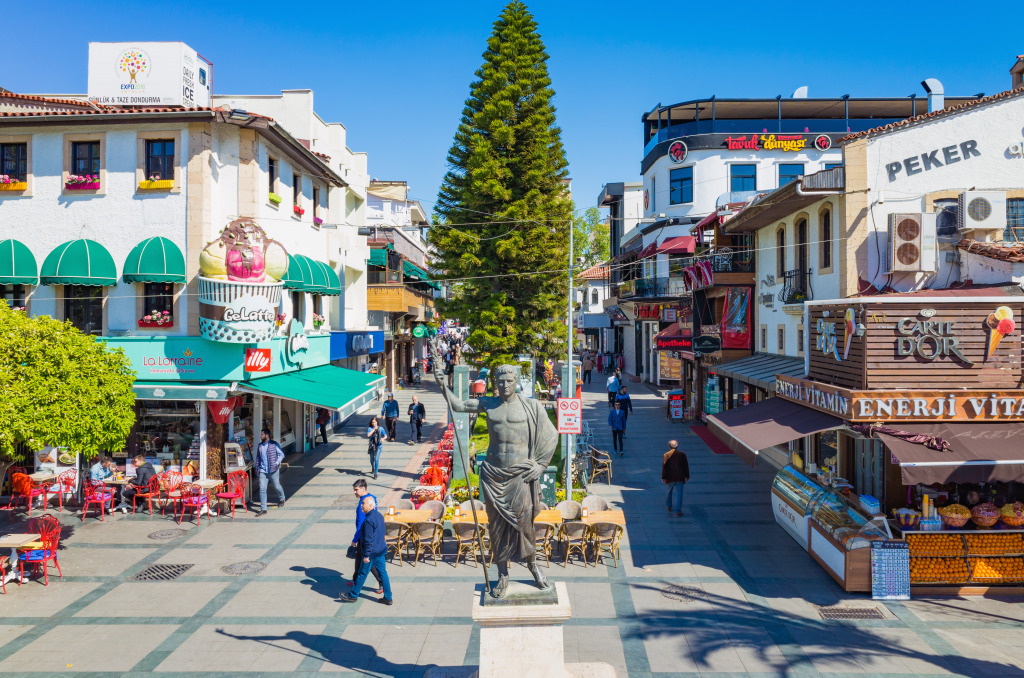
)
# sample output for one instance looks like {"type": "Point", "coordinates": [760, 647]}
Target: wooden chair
{"type": "Point", "coordinates": [425, 537]}
{"type": "Point", "coordinates": [396, 535]}
{"type": "Point", "coordinates": [592, 503]}
{"type": "Point", "coordinates": [468, 506]}
{"type": "Point", "coordinates": [600, 465]}
{"type": "Point", "coordinates": [543, 538]}
{"type": "Point", "coordinates": [405, 505]}
{"type": "Point", "coordinates": [466, 540]}
{"type": "Point", "coordinates": [436, 508]}
{"type": "Point", "coordinates": [574, 536]}
{"type": "Point", "coordinates": [605, 537]}
{"type": "Point", "coordinates": [149, 493]}
{"type": "Point", "coordinates": [570, 510]}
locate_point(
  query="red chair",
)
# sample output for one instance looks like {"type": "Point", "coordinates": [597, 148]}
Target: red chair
{"type": "Point", "coordinates": [150, 492]}
{"type": "Point", "coordinates": [66, 480]}
{"type": "Point", "coordinates": [193, 498]}
{"type": "Point", "coordinates": [170, 484]}
{"type": "Point", "coordinates": [48, 528]}
{"type": "Point", "coordinates": [237, 480]}
{"type": "Point", "coordinates": [97, 493]}
{"type": "Point", "coordinates": [22, 488]}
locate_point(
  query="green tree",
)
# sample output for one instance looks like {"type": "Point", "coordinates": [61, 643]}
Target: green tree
{"type": "Point", "coordinates": [591, 237]}
{"type": "Point", "coordinates": [503, 206]}
{"type": "Point", "coordinates": [60, 387]}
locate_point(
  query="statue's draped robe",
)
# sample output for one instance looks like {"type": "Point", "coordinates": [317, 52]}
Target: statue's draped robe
{"type": "Point", "coordinates": [512, 504]}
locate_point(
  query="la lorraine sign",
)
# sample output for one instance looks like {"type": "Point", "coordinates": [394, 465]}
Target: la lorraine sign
{"type": "Point", "coordinates": [570, 415]}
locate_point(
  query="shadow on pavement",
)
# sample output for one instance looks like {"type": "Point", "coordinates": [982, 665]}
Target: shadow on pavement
{"type": "Point", "coordinates": [322, 580]}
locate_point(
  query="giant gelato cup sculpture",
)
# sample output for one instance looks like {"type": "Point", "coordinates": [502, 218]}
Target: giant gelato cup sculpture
{"type": "Point", "coordinates": [240, 284]}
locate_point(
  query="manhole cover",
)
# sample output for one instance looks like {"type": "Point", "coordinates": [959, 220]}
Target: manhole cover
{"type": "Point", "coordinates": [835, 612]}
{"type": "Point", "coordinates": [683, 594]}
{"type": "Point", "coordinates": [168, 534]}
{"type": "Point", "coordinates": [248, 567]}
{"type": "Point", "coordinates": [162, 572]}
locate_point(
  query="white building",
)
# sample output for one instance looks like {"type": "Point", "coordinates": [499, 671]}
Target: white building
{"type": "Point", "coordinates": [592, 288]}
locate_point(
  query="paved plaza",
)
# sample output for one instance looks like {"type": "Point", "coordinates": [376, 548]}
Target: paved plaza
{"type": "Point", "coordinates": [749, 605]}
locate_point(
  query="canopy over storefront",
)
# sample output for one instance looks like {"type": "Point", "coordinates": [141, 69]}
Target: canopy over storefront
{"type": "Point", "coordinates": [760, 370]}
{"type": "Point", "coordinates": [181, 390]}
{"type": "Point", "coordinates": [955, 452]}
{"type": "Point", "coordinates": [334, 388]}
{"type": "Point", "coordinates": [767, 423]}
{"type": "Point", "coordinates": [155, 260]}
{"type": "Point", "coordinates": [79, 262]}
{"type": "Point", "coordinates": [17, 265]}
{"type": "Point", "coordinates": [413, 271]}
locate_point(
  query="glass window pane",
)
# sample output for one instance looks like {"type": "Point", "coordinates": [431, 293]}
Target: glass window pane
{"type": "Point", "coordinates": [83, 307]}
{"type": "Point", "coordinates": [681, 186]}
{"type": "Point", "coordinates": [743, 177]}
{"type": "Point", "coordinates": [790, 172]}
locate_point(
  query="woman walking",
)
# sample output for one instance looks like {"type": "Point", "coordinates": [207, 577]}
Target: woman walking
{"type": "Point", "coordinates": [376, 436]}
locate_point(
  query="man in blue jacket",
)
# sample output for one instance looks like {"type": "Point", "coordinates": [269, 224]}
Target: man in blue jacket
{"type": "Point", "coordinates": [390, 413]}
{"type": "Point", "coordinates": [375, 551]}
{"type": "Point", "coordinates": [359, 488]}
{"type": "Point", "coordinates": [617, 422]}
{"type": "Point", "coordinates": [268, 464]}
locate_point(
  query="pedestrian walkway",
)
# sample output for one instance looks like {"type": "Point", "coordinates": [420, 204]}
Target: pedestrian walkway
{"type": "Point", "coordinates": [720, 592]}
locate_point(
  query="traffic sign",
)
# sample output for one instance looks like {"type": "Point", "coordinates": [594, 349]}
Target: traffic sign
{"type": "Point", "coordinates": [570, 415]}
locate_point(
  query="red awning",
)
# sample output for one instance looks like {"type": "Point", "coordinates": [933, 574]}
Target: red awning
{"type": "Point", "coordinates": [681, 244]}
{"type": "Point", "coordinates": [673, 330]}
{"type": "Point", "coordinates": [649, 250]}
{"type": "Point", "coordinates": [709, 220]}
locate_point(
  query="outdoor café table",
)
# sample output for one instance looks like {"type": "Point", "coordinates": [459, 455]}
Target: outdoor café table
{"type": "Point", "coordinates": [119, 481]}
{"type": "Point", "coordinates": [14, 542]}
{"type": "Point", "coordinates": [209, 485]}
{"type": "Point", "coordinates": [553, 516]}
{"type": "Point", "coordinates": [467, 517]}
{"type": "Point", "coordinates": [613, 516]}
{"type": "Point", "coordinates": [408, 516]}
{"type": "Point", "coordinates": [40, 478]}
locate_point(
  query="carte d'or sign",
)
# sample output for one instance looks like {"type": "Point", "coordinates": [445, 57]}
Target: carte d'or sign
{"type": "Point", "coordinates": [895, 406]}
{"type": "Point", "coordinates": [240, 284]}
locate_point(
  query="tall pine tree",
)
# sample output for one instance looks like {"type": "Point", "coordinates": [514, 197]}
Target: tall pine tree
{"type": "Point", "coordinates": [504, 208]}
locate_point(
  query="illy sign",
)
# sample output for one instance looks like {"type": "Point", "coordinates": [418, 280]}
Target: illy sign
{"type": "Point", "coordinates": [257, 360]}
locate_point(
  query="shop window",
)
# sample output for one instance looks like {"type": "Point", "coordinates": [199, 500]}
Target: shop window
{"type": "Point", "coordinates": [160, 158]}
{"type": "Point", "coordinates": [825, 221]}
{"type": "Point", "coordinates": [780, 253]}
{"type": "Point", "coordinates": [1014, 220]}
{"type": "Point", "coordinates": [85, 157]}
{"type": "Point", "coordinates": [790, 172]}
{"type": "Point", "coordinates": [158, 299]}
{"type": "Point", "coordinates": [167, 427]}
{"type": "Point", "coordinates": [742, 178]}
{"type": "Point", "coordinates": [272, 174]}
{"type": "Point", "coordinates": [680, 186]}
{"type": "Point", "coordinates": [83, 307]}
{"type": "Point", "coordinates": [14, 161]}
{"type": "Point", "coordinates": [14, 295]}
{"type": "Point", "coordinates": [287, 433]}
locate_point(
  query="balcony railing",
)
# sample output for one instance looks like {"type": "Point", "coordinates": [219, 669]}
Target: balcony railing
{"type": "Point", "coordinates": [795, 288]}
{"type": "Point", "coordinates": [732, 260]}
{"type": "Point", "coordinates": [652, 287]}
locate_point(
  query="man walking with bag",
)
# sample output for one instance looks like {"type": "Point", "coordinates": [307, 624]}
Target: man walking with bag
{"type": "Point", "coordinates": [356, 549]}
{"type": "Point", "coordinates": [417, 414]}
{"type": "Point", "coordinates": [617, 422]}
{"type": "Point", "coordinates": [390, 413]}
{"type": "Point", "coordinates": [268, 464]}
{"type": "Point", "coordinates": [675, 471]}
{"type": "Point", "coordinates": [373, 551]}
{"type": "Point", "coordinates": [613, 385]}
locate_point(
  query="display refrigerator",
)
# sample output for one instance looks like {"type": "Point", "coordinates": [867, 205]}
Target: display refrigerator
{"type": "Point", "coordinates": [840, 537]}
{"type": "Point", "coordinates": [792, 495]}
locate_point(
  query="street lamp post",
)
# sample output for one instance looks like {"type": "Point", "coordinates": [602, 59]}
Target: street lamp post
{"type": "Point", "coordinates": [568, 380]}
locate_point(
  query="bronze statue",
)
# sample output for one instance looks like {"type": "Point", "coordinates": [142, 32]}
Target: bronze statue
{"type": "Point", "coordinates": [522, 441]}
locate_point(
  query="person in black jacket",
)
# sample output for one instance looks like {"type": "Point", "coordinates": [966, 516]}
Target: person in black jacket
{"type": "Point", "coordinates": [144, 472]}
{"type": "Point", "coordinates": [417, 413]}
{"type": "Point", "coordinates": [374, 551]}
{"type": "Point", "coordinates": [626, 405]}
{"type": "Point", "coordinates": [675, 471]}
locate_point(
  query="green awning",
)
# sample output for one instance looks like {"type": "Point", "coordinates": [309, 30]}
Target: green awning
{"type": "Point", "coordinates": [333, 288]}
{"type": "Point", "coordinates": [334, 388]}
{"type": "Point", "coordinates": [17, 265]}
{"type": "Point", "coordinates": [155, 260]}
{"type": "Point", "coordinates": [411, 270]}
{"type": "Point", "coordinates": [181, 390]}
{"type": "Point", "coordinates": [293, 278]}
{"type": "Point", "coordinates": [79, 262]}
{"type": "Point", "coordinates": [313, 274]}
{"type": "Point", "coordinates": [378, 258]}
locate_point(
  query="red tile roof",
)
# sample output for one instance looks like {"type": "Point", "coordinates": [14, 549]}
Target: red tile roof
{"type": "Point", "coordinates": [1008, 94]}
{"type": "Point", "coordinates": [119, 110]}
{"type": "Point", "coordinates": [5, 94]}
{"type": "Point", "coordinates": [994, 250]}
{"type": "Point", "coordinates": [599, 272]}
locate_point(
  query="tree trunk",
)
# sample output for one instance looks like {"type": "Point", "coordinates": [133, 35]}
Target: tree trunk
{"type": "Point", "coordinates": [215, 436]}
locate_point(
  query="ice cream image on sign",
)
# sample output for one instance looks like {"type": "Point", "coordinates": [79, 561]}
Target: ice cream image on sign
{"type": "Point", "coordinates": [850, 328]}
{"type": "Point", "coordinates": [999, 324]}
{"type": "Point", "coordinates": [240, 284]}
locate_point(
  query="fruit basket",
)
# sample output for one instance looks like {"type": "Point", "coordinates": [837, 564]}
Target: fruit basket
{"type": "Point", "coordinates": [985, 515]}
{"type": "Point", "coordinates": [1012, 515]}
{"type": "Point", "coordinates": [954, 516]}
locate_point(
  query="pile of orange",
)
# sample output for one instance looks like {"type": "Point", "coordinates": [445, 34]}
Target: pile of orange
{"type": "Point", "coordinates": [938, 570]}
{"type": "Point", "coordinates": [994, 544]}
{"type": "Point", "coordinates": [1004, 569]}
{"type": "Point", "coordinates": [935, 545]}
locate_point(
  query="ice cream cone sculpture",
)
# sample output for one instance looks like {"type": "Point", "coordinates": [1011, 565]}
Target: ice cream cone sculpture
{"type": "Point", "coordinates": [850, 327]}
{"type": "Point", "coordinates": [999, 324]}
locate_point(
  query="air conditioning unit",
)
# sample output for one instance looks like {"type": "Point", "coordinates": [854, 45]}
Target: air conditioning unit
{"type": "Point", "coordinates": [911, 242]}
{"type": "Point", "coordinates": [982, 210]}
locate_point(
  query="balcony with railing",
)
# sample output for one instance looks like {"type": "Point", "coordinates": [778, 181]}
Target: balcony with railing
{"type": "Point", "coordinates": [398, 298]}
{"type": "Point", "coordinates": [795, 287]}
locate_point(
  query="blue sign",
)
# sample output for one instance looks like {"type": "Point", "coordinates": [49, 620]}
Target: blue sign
{"type": "Point", "coordinates": [351, 344]}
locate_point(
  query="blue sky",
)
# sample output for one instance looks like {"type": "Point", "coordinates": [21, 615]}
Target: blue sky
{"type": "Point", "coordinates": [397, 73]}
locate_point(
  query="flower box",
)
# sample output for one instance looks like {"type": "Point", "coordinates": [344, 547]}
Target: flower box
{"type": "Point", "coordinates": [298, 210]}
{"type": "Point", "coordinates": [159, 184]}
{"type": "Point", "coordinates": [14, 186]}
{"type": "Point", "coordinates": [153, 323]}
{"type": "Point", "coordinates": [275, 198]}
{"type": "Point", "coordinates": [82, 186]}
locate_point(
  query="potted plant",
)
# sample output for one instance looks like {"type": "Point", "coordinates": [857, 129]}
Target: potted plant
{"type": "Point", "coordinates": [155, 182]}
{"type": "Point", "coordinates": [318, 221]}
{"type": "Point", "coordinates": [318, 321]}
{"type": "Point", "coordinates": [275, 198]}
{"type": "Point", "coordinates": [9, 183]}
{"type": "Point", "coordinates": [298, 210]}
{"type": "Point", "coordinates": [281, 317]}
{"type": "Point", "coordinates": [82, 182]}
{"type": "Point", "coordinates": [156, 319]}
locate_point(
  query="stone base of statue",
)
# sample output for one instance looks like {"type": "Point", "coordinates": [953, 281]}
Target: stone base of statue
{"type": "Point", "coordinates": [521, 635]}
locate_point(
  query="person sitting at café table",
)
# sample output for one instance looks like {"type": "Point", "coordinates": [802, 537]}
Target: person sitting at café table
{"type": "Point", "coordinates": [101, 470]}
{"type": "Point", "coordinates": [144, 472]}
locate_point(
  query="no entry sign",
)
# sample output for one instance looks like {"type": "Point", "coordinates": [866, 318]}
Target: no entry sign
{"type": "Point", "coordinates": [570, 415]}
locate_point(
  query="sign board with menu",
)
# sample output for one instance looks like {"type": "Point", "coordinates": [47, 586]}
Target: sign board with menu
{"type": "Point", "coordinates": [890, 570]}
